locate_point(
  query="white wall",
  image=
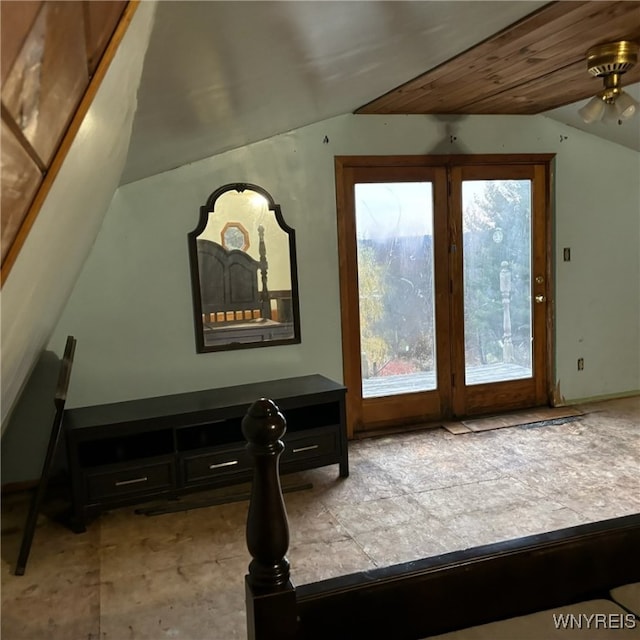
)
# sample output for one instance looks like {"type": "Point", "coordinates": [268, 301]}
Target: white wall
{"type": "Point", "coordinates": [131, 309]}
{"type": "Point", "coordinates": [597, 293]}
{"type": "Point", "coordinates": [46, 269]}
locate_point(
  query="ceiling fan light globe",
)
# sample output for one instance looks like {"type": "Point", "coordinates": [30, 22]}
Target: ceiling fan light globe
{"type": "Point", "coordinates": [593, 110]}
{"type": "Point", "coordinates": [610, 115]}
{"type": "Point", "coordinates": [626, 106]}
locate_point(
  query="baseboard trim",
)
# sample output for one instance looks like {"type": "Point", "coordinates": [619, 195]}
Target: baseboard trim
{"type": "Point", "coordinates": [602, 398]}
{"type": "Point", "coordinates": [58, 478]}
{"type": "Point", "coordinates": [18, 487]}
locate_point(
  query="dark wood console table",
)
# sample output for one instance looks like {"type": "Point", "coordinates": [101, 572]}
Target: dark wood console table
{"type": "Point", "coordinates": [134, 451]}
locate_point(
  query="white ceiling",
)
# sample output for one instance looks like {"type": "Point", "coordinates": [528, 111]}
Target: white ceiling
{"type": "Point", "coordinates": [222, 74]}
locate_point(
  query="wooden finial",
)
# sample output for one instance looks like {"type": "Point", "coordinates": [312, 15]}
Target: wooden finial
{"type": "Point", "coordinates": [267, 526]}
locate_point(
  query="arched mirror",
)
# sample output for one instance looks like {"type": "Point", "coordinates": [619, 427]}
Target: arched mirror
{"type": "Point", "coordinates": [243, 272]}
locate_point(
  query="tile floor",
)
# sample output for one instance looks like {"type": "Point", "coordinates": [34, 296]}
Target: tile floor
{"type": "Point", "coordinates": [180, 575]}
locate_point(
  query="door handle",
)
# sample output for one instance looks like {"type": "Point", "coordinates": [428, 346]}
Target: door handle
{"type": "Point", "coordinates": [540, 299]}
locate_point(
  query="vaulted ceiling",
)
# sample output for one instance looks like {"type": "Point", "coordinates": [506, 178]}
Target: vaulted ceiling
{"type": "Point", "coordinates": [531, 67]}
{"type": "Point", "coordinates": [220, 75]}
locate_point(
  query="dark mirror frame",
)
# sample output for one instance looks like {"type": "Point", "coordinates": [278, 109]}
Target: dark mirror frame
{"type": "Point", "coordinates": [205, 210]}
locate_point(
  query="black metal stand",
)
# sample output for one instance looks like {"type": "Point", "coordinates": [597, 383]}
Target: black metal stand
{"type": "Point", "coordinates": [59, 401]}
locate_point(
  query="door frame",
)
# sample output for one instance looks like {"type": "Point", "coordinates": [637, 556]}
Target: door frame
{"type": "Point", "coordinates": [345, 167]}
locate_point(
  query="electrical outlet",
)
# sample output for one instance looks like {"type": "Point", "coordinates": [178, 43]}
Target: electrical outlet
{"type": "Point", "coordinates": [580, 364]}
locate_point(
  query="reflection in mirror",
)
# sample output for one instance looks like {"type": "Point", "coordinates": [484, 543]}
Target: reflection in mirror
{"type": "Point", "coordinates": [243, 271]}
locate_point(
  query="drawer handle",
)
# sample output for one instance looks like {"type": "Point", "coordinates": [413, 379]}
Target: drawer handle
{"type": "Point", "coordinates": [309, 448]}
{"type": "Point", "coordinates": [223, 464]}
{"type": "Point", "coordinates": [122, 483]}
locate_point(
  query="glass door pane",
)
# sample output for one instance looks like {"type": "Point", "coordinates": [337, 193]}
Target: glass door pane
{"type": "Point", "coordinates": [394, 233]}
{"type": "Point", "coordinates": [497, 254]}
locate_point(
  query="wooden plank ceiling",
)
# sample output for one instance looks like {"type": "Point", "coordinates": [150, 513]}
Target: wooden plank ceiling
{"type": "Point", "coordinates": [535, 65]}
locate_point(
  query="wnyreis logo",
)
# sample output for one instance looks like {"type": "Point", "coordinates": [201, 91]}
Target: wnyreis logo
{"type": "Point", "coordinates": [594, 621]}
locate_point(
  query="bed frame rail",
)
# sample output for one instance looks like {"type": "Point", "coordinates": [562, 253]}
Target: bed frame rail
{"type": "Point", "coordinates": [475, 586]}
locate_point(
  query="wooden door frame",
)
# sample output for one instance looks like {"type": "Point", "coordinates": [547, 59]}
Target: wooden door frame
{"type": "Point", "coordinates": [480, 399]}
{"type": "Point", "coordinates": [347, 255]}
{"type": "Point", "coordinates": [428, 405]}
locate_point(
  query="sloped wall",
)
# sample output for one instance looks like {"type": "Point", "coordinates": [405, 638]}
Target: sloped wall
{"type": "Point", "coordinates": [45, 272]}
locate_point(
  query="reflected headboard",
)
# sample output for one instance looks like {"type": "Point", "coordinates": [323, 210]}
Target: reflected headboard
{"type": "Point", "coordinates": [229, 288]}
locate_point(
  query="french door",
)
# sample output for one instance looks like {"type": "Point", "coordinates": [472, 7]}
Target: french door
{"type": "Point", "coordinates": [444, 276]}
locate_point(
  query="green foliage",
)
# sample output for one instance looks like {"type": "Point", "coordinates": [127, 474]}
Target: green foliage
{"type": "Point", "coordinates": [396, 302]}
{"type": "Point", "coordinates": [371, 287]}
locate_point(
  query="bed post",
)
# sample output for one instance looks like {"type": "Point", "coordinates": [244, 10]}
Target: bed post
{"type": "Point", "coordinates": [270, 596]}
{"type": "Point", "coordinates": [264, 265]}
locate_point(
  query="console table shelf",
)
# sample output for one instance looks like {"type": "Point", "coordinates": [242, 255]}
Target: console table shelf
{"type": "Point", "coordinates": [134, 451]}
